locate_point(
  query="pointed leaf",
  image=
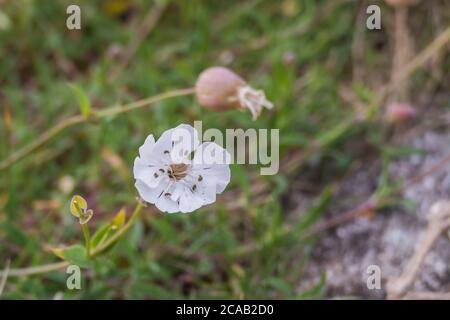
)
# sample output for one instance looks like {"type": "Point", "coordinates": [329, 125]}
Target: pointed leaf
{"type": "Point", "coordinates": [108, 230]}
{"type": "Point", "coordinates": [59, 252]}
{"type": "Point", "coordinates": [100, 235]}
{"type": "Point", "coordinates": [119, 219]}
{"type": "Point", "coordinates": [83, 100]}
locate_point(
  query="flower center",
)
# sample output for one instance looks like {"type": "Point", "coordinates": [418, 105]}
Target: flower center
{"type": "Point", "coordinates": [177, 171]}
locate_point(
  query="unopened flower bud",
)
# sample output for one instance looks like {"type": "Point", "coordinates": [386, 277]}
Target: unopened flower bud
{"type": "Point", "coordinates": [221, 89]}
{"type": "Point", "coordinates": [79, 208]}
{"type": "Point", "coordinates": [400, 112]}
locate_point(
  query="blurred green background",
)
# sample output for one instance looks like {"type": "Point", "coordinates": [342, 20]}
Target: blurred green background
{"type": "Point", "coordinates": [302, 53]}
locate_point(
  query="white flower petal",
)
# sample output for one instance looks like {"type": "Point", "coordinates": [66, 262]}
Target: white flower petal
{"type": "Point", "coordinates": [189, 202]}
{"type": "Point", "coordinates": [177, 191]}
{"type": "Point", "coordinates": [206, 191]}
{"type": "Point", "coordinates": [150, 195]}
{"type": "Point", "coordinates": [185, 141]}
{"type": "Point", "coordinates": [216, 176]}
{"type": "Point", "coordinates": [210, 153]}
{"type": "Point", "coordinates": [151, 175]}
{"type": "Point", "coordinates": [222, 175]}
{"type": "Point", "coordinates": [211, 163]}
{"type": "Point", "coordinates": [175, 145]}
{"type": "Point", "coordinates": [165, 204]}
{"type": "Point", "coordinates": [145, 151]}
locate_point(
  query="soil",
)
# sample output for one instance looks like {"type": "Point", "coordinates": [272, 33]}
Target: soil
{"type": "Point", "coordinates": [389, 237]}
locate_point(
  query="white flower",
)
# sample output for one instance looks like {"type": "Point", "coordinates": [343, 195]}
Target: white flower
{"type": "Point", "coordinates": [177, 173]}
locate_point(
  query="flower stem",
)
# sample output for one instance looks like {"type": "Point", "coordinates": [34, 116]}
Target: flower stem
{"type": "Point", "coordinates": [59, 265]}
{"type": "Point", "coordinates": [100, 249]}
{"type": "Point", "coordinates": [84, 227]}
{"type": "Point", "coordinates": [87, 238]}
{"type": "Point", "coordinates": [79, 119]}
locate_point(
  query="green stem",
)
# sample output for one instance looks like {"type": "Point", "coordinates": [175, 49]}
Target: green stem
{"type": "Point", "coordinates": [59, 265]}
{"type": "Point", "coordinates": [84, 227]}
{"type": "Point", "coordinates": [98, 250]}
{"type": "Point", "coordinates": [79, 119]}
{"type": "Point", "coordinates": [87, 238]}
{"type": "Point", "coordinates": [36, 270]}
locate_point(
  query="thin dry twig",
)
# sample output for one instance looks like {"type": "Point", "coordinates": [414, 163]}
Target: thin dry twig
{"type": "Point", "coordinates": [370, 204]}
{"type": "Point", "coordinates": [79, 119]}
{"type": "Point", "coordinates": [438, 222]}
{"type": "Point", "coordinates": [358, 45]}
{"type": "Point", "coordinates": [402, 51]}
{"type": "Point", "coordinates": [417, 62]}
{"type": "Point", "coordinates": [433, 123]}
{"type": "Point", "coordinates": [366, 206]}
{"type": "Point", "coordinates": [145, 28]}
{"type": "Point", "coordinates": [4, 277]}
{"type": "Point", "coordinates": [36, 270]}
{"type": "Point", "coordinates": [441, 164]}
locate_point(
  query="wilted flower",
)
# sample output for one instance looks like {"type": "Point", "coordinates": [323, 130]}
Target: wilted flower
{"type": "Point", "coordinates": [398, 112]}
{"type": "Point", "coordinates": [177, 173]}
{"type": "Point", "coordinates": [220, 89]}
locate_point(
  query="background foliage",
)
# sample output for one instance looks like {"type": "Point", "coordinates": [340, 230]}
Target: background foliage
{"type": "Point", "coordinates": [300, 52]}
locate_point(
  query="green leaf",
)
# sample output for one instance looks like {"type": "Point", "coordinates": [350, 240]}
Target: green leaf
{"type": "Point", "coordinates": [316, 211]}
{"type": "Point", "coordinates": [59, 252]}
{"type": "Point", "coordinates": [281, 185]}
{"type": "Point", "coordinates": [119, 219]}
{"type": "Point", "coordinates": [100, 235]}
{"type": "Point", "coordinates": [109, 229]}
{"type": "Point", "coordinates": [76, 254]}
{"type": "Point", "coordinates": [83, 100]}
{"type": "Point", "coordinates": [104, 235]}
{"type": "Point", "coordinates": [334, 134]}
{"type": "Point", "coordinates": [280, 285]}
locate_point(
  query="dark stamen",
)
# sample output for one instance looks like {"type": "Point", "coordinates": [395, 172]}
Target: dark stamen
{"type": "Point", "coordinates": [177, 171]}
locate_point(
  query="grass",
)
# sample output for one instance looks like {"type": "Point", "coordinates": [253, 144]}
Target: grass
{"type": "Point", "coordinates": [173, 256]}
